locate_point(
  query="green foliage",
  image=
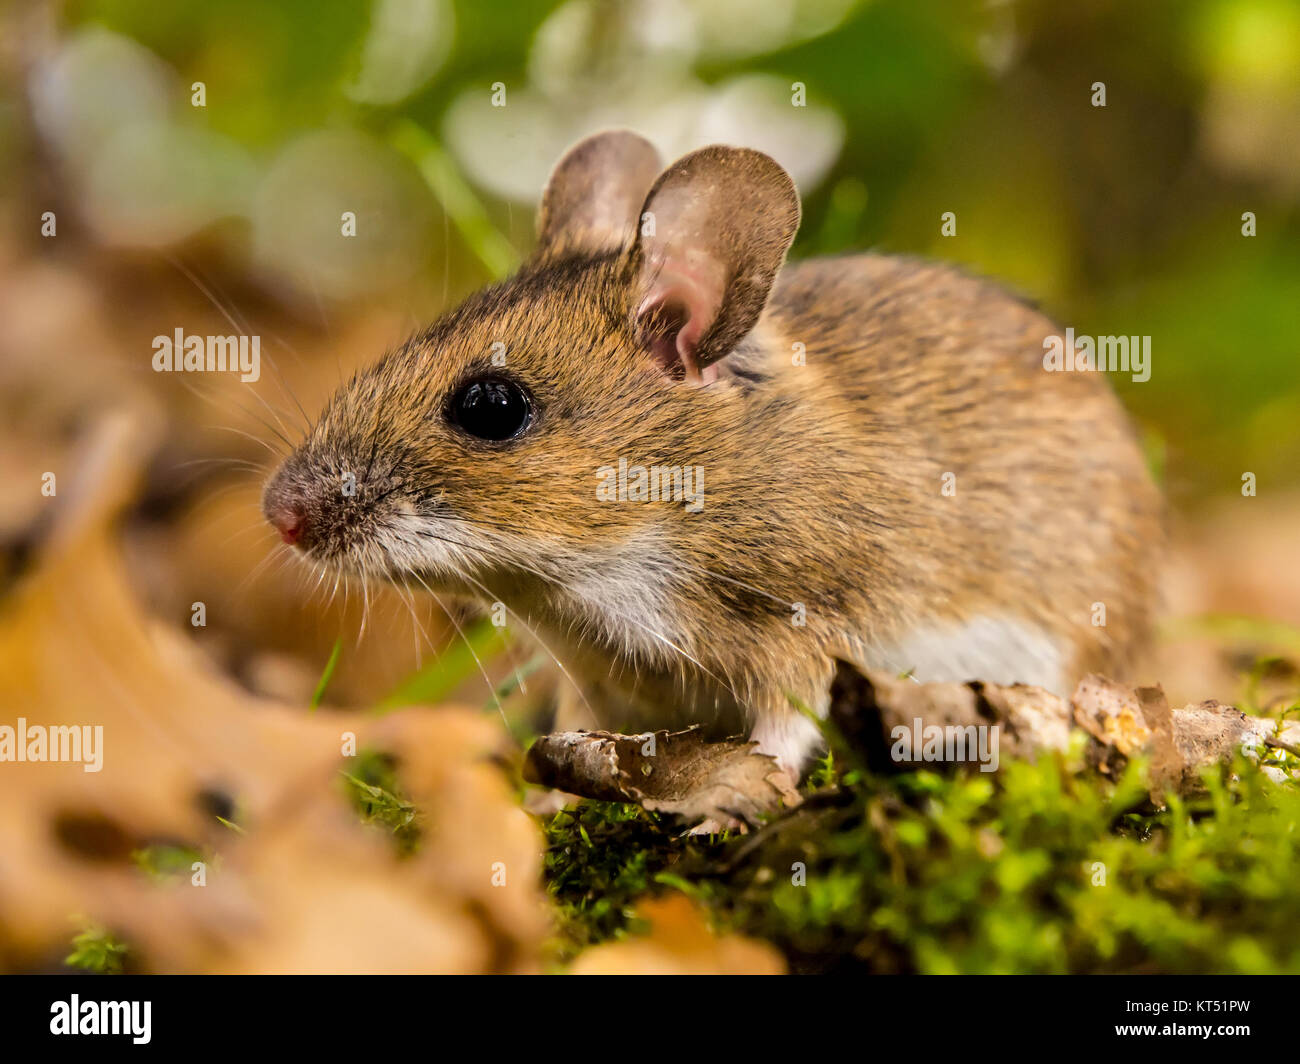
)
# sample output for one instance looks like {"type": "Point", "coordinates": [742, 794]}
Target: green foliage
{"type": "Point", "coordinates": [166, 862]}
{"type": "Point", "coordinates": [1040, 869]}
{"type": "Point", "coordinates": [1124, 219]}
{"type": "Point", "coordinates": [376, 794]}
{"type": "Point", "coordinates": [96, 950]}
{"type": "Point", "coordinates": [601, 858]}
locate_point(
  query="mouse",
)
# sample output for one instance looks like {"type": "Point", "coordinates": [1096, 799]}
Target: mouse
{"type": "Point", "coordinates": [699, 475]}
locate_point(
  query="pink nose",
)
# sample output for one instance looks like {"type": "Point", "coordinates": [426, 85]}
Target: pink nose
{"type": "Point", "coordinates": [290, 521]}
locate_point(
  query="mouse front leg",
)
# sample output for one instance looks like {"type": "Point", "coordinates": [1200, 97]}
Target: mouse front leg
{"type": "Point", "coordinates": [786, 734]}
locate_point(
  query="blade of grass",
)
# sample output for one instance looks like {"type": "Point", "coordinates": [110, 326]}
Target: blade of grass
{"type": "Point", "coordinates": [515, 680]}
{"type": "Point", "coordinates": [319, 693]}
{"type": "Point", "coordinates": [458, 199]}
{"type": "Point", "coordinates": [439, 679]}
{"type": "Point", "coordinates": [1235, 626]}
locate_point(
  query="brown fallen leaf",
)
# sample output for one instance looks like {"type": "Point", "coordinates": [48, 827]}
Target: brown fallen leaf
{"type": "Point", "coordinates": [680, 773]}
{"type": "Point", "coordinates": [303, 886]}
{"type": "Point", "coordinates": [679, 943]}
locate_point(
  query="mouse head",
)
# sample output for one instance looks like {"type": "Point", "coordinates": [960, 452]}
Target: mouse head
{"type": "Point", "coordinates": [575, 416]}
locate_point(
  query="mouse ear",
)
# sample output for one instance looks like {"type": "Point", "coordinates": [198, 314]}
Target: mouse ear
{"type": "Point", "coordinates": [594, 193]}
{"type": "Point", "coordinates": [715, 230]}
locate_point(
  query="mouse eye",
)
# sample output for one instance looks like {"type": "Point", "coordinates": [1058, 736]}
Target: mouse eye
{"type": "Point", "coordinates": [491, 408]}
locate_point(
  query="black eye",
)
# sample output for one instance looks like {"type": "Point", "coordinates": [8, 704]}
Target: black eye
{"type": "Point", "coordinates": [491, 408]}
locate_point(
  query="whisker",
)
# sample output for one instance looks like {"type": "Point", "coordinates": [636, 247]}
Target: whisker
{"type": "Point", "coordinates": [175, 262]}
{"type": "Point", "coordinates": [493, 597]}
{"type": "Point", "coordinates": [492, 689]}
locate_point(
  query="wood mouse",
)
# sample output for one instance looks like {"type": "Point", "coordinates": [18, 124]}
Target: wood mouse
{"type": "Point", "coordinates": [861, 457]}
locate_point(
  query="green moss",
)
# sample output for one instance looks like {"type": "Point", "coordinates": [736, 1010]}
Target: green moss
{"type": "Point", "coordinates": [1041, 868]}
{"type": "Point", "coordinates": [604, 857]}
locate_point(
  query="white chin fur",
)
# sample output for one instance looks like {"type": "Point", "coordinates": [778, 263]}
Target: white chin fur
{"type": "Point", "coordinates": [624, 591]}
{"type": "Point", "coordinates": [442, 548]}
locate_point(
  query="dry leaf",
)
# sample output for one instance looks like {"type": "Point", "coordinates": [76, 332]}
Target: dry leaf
{"type": "Point", "coordinates": [1111, 714]}
{"type": "Point", "coordinates": [305, 886]}
{"type": "Point", "coordinates": [680, 773]}
{"type": "Point", "coordinates": [1180, 742]}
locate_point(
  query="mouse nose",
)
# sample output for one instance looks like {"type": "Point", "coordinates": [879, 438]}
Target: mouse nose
{"type": "Point", "coordinates": [289, 519]}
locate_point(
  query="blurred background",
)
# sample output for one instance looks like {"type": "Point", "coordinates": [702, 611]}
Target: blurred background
{"type": "Point", "coordinates": [196, 161]}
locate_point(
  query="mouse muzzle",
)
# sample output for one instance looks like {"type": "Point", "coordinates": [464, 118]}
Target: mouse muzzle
{"type": "Point", "coordinates": [287, 507]}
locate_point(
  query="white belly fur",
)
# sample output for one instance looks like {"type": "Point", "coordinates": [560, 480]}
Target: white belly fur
{"type": "Point", "coordinates": [995, 649]}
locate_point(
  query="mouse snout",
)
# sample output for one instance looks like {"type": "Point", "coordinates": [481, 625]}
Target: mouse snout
{"type": "Point", "coordinates": [320, 507]}
{"type": "Point", "coordinates": [286, 510]}
{"type": "Point", "coordinates": [290, 520]}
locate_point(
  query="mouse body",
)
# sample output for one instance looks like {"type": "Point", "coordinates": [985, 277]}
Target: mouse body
{"type": "Point", "coordinates": [697, 475]}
